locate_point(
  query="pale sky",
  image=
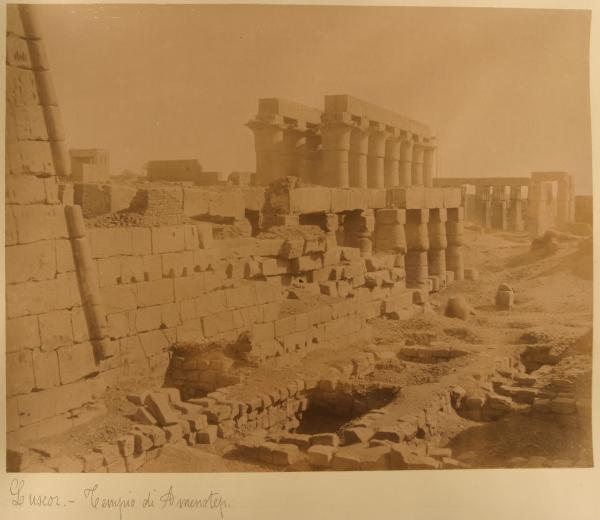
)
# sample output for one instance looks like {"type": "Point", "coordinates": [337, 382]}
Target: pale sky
{"type": "Point", "coordinates": [507, 91]}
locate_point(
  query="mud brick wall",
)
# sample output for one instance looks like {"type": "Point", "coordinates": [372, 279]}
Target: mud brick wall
{"type": "Point", "coordinates": [155, 202]}
{"type": "Point", "coordinates": [227, 202]}
{"type": "Point", "coordinates": [99, 199]}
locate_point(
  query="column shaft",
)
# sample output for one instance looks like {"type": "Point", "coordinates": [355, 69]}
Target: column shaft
{"type": "Point", "coordinates": [428, 166]}
{"type": "Point", "coordinates": [268, 142]}
{"type": "Point", "coordinates": [417, 165]}
{"type": "Point", "coordinates": [405, 166]}
{"type": "Point", "coordinates": [359, 145]}
{"type": "Point", "coordinates": [375, 159]}
{"type": "Point", "coordinates": [335, 144]}
{"type": "Point", "coordinates": [455, 236]}
{"type": "Point", "coordinates": [438, 243]}
{"type": "Point", "coordinates": [391, 164]}
{"type": "Point", "coordinates": [293, 152]}
{"type": "Point", "coordinates": [417, 245]}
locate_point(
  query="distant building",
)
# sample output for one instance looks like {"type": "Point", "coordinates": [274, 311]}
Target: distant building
{"type": "Point", "coordinates": [89, 165]}
{"type": "Point", "coordinates": [209, 178]}
{"type": "Point", "coordinates": [174, 170]}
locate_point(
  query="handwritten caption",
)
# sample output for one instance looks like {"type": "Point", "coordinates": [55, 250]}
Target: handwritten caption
{"type": "Point", "coordinates": [94, 498]}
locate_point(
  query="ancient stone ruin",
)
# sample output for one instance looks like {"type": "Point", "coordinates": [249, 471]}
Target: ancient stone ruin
{"type": "Point", "coordinates": [330, 310]}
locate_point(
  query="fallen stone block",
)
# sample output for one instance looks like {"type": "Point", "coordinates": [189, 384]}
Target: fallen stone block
{"type": "Point", "coordinates": [208, 435]}
{"type": "Point", "coordinates": [345, 460]}
{"type": "Point", "coordinates": [401, 457]}
{"type": "Point", "coordinates": [141, 442]}
{"type": "Point", "coordinates": [138, 398]}
{"type": "Point", "coordinates": [126, 445]}
{"type": "Point", "coordinates": [357, 435]}
{"type": "Point", "coordinates": [173, 432]}
{"type": "Point", "coordinates": [159, 405]}
{"type": "Point", "coordinates": [320, 456]}
{"type": "Point", "coordinates": [457, 307]}
{"type": "Point", "coordinates": [375, 458]}
{"type": "Point", "coordinates": [325, 439]}
{"type": "Point", "coordinates": [143, 416]}
{"type": "Point", "coordinates": [298, 439]}
{"type": "Point", "coordinates": [285, 454]}
{"type": "Point", "coordinates": [109, 452]}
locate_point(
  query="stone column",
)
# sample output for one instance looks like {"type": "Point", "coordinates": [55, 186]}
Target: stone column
{"type": "Point", "coordinates": [359, 145]}
{"type": "Point", "coordinates": [428, 165]}
{"type": "Point", "coordinates": [539, 210]}
{"type": "Point", "coordinates": [417, 164]}
{"type": "Point", "coordinates": [438, 243]}
{"type": "Point", "coordinates": [455, 233]}
{"type": "Point", "coordinates": [484, 206]}
{"type": "Point", "coordinates": [499, 208]}
{"type": "Point", "coordinates": [405, 166]}
{"type": "Point", "coordinates": [563, 196]}
{"type": "Point", "coordinates": [375, 156]}
{"type": "Point", "coordinates": [293, 151]}
{"type": "Point", "coordinates": [389, 230]}
{"type": "Point", "coordinates": [571, 199]}
{"type": "Point", "coordinates": [268, 142]}
{"type": "Point", "coordinates": [358, 230]}
{"type": "Point", "coordinates": [335, 144]}
{"type": "Point", "coordinates": [312, 157]}
{"type": "Point", "coordinates": [515, 210]}
{"type": "Point", "coordinates": [391, 163]}
{"type": "Point", "coordinates": [417, 245]}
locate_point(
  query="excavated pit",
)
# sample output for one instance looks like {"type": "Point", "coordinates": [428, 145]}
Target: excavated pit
{"type": "Point", "coordinates": [329, 411]}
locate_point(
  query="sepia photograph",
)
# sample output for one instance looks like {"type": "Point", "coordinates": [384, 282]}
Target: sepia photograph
{"type": "Point", "coordinates": [278, 238]}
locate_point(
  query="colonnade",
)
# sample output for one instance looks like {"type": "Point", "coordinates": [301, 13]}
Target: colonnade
{"type": "Point", "coordinates": [343, 150]}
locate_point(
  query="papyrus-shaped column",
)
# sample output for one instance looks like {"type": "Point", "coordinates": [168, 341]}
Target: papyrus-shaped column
{"type": "Point", "coordinates": [376, 156]}
{"type": "Point", "coordinates": [484, 205]}
{"type": "Point", "coordinates": [358, 230]}
{"type": "Point", "coordinates": [389, 230]}
{"type": "Point", "coordinates": [455, 235]}
{"type": "Point", "coordinates": [359, 146]}
{"type": "Point", "coordinates": [312, 157]}
{"type": "Point", "coordinates": [428, 164]}
{"type": "Point", "coordinates": [563, 196]}
{"type": "Point", "coordinates": [417, 245]}
{"type": "Point", "coordinates": [515, 210]}
{"type": "Point", "coordinates": [499, 208]}
{"type": "Point", "coordinates": [391, 163]}
{"type": "Point", "coordinates": [405, 165]}
{"type": "Point", "coordinates": [335, 147]}
{"type": "Point", "coordinates": [539, 211]}
{"type": "Point", "coordinates": [438, 243]}
{"type": "Point", "coordinates": [293, 151]}
{"type": "Point", "coordinates": [417, 164]}
{"type": "Point", "coordinates": [268, 143]}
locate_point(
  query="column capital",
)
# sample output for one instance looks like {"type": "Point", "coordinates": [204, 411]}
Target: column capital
{"type": "Point", "coordinates": [263, 124]}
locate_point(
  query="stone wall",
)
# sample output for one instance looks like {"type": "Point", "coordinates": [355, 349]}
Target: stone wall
{"type": "Point", "coordinates": [55, 343]}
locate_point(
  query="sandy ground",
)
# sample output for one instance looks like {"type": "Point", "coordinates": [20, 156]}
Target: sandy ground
{"type": "Point", "coordinates": [553, 297]}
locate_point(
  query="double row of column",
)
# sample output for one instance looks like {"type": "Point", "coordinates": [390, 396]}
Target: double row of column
{"type": "Point", "coordinates": [373, 155]}
{"type": "Point", "coordinates": [431, 240]}
{"type": "Point", "coordinates": [434, 242]}
{"type": "Point", "coordinates": [342, 154]}
{"type": "Point", "coordinates": [498, 209]}
{"type": "Point", "coordinates": [285, 149]}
